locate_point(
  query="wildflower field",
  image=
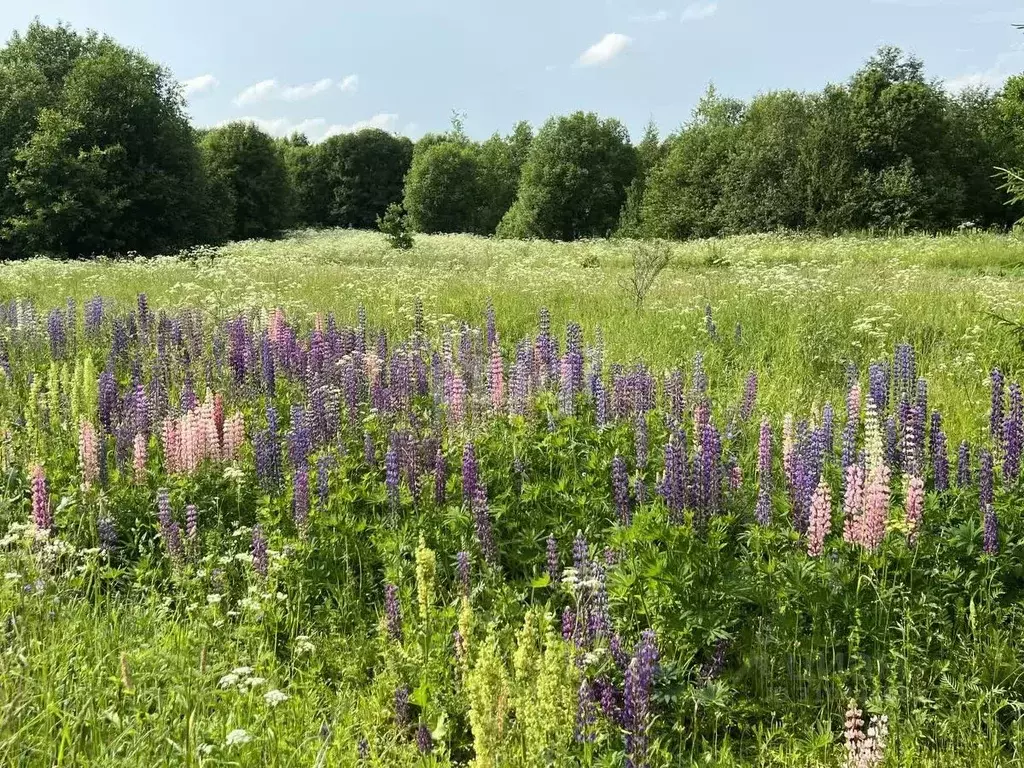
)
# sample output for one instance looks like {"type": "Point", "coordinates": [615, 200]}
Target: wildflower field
{"type": "Point", "coordinates": [315, 502]}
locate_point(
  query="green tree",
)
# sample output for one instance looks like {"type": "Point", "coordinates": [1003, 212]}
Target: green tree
{"type": "Point", "coordinates": [96, 148]}
{"type": "Point", "coordinates": [762, 187]}
{"type": "Point", "coordinates": [358, 175]}
{"type": "Point", "coordinates": [574, 181]}
{"type": "Point", "coordinates": [443, 190]}
{"type": "Point", "coordinates": [684, 193]}
{"type": "Point", "coordinates": [650, 153]}
{"type": "Point", "coordinates": [248, 172]}
{"type": "Point", "coordinates": [500, 166]}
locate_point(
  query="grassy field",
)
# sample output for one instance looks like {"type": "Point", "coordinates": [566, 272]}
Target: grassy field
{"type": "Point", "coordinates": [142, 659]}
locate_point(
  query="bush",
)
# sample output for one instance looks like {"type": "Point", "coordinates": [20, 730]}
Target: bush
{"type": "Point", "coordinates": [395, 226]}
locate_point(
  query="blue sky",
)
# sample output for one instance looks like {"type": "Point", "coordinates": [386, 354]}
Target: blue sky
{"type": "Point", "coordinates": [327, 66]}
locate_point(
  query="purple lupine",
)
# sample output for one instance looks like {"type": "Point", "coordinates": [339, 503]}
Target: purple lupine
{"type": "Point", "coordinates": [620, 490]}
{"type": "Point", "coordinates": [893, 458]}
{"type": "Point", "coordinates": [700, 377]}
{"type": "Point", "coordinates": [826, 433]}
{"type": "Point", "coordinates": [586, 712]}
{"type": "Point", "coordinates": [940, 455]}
{"type": "Point", "coordinates": [709, 475]}
{"type": "Point", "coordinates": [638, 687]}
{"type": "Point", "coordinates": [568, 623]}
{"type": "Point", "coordinates": [107, 532]}
{"type": "Point", "coordinates": [1013, 435]}
{"type": "Point", "coordinates": [93, 316]}
{"type": "Point", "coordinates": [462, 569]}
{"type": "Point", "coordinates": [191, 522]}
{"type": "Point", "coordinates": [482, 525]}
{"type": "Point", "coordinates": [674, 395]}
{"type": "Point", "coordinates": [878, 385]}
{"type": "Point", "coordinates": [673, 483]}
{"type": "Point", "coordinates": [369, 450]}
{"type": "Point", "coordinates": [641, 442]}
{"type": "Point", "coordinates": [41, 514]}
{"type": "Point", "coordinates": [258, 549]}
{"type": "Point", "coordinates": [424, 741]}
{"type": "Point", "coordinates": [712, 668]}
{"type": "Point", "coordinates": [169, 530]}
{"type": "Point", "coordinates": [267, 368]}
{"type": "Point", "coordinates": [963, 465]}
{"type": "Point", "coordinates": [985, 478]}
{"type": "Point", "coordinates": [58, 334]}
{"type": "Point", "coordinates": [990, 542]}
{"type": "Point", "coordinates": [619, 655]}
{"type": "Point", "coordinates": [749, 396]}
{"type": "Point", "coordinates": [440, 476]}
{"type": "Point", "coordinates": [470, 474]}
{"type": "Point", "coordinates": [554, 566]}
{"type": "Point", "coordinates": [763, 511]}
{"type": "Point", "coordinates": [300, 498]}
{"type": "Point", "coordinates": [609, 698]}
{"type": "Point", "coordinates": [391, 474]}
{"type": "Point", "coordinates": [392, 613]}
{"type": "Point", "coordinates": [267, 451]}
{"type": "Point", "coordinates": [904, 369]}
{"type": "Point", "coordinates": [107, 400]}
{"type": "Point", "coordinates": [995, 421]}
{"type": "Point", "coordinates": [709, 323]}
{"type": "Point", "coordinates": [402, 718]}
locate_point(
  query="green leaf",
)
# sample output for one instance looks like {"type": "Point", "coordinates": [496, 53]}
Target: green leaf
{"type": "Point", "coordinates": [541, 581]}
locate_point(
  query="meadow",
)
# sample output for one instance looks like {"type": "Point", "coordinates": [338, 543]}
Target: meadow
{"type": "Point", "coordinates": [319, 502]}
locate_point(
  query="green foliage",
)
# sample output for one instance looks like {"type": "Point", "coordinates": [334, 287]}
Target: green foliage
{"type": "Point", "coordinates": [443, 189]}
{"type": "Point", "coordinates": [395, 226]}
{"type": "Point", "coordinates": [98, 152]}
{"type": "Point", "coordinates": [574, 181]}
{"type": "Point", "coordinates": [248, 175]}
{"type": "Point", "coordinates": [352, 178]}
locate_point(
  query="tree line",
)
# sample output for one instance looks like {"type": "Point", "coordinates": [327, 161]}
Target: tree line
{"type": "Point", "coordinates": [97, 156]}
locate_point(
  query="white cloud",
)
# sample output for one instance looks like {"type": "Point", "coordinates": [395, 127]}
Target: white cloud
{"type": "Point", "coordinates": [306, 90]}
{"type": "Point", "coordinates": [1007, 64]}
{"type": "Point", "coordinates": [648, 18]}
{"type": "Point", "coordinates": [991, 78]}
{"type": "Point", "coordinates": [386, 121]}
{"type": "Point", "coordinates": [265, 89]}
{"type": "Point", "coordinates": [606, 49]}
{"type": "Point", "coordinates": [199, 84]}
{"type": "Point", "coordinates": [318, 129]}
{"type": "Point", "coordinates": [698, 11]}
{"type": "Point", "coordinates": [282, 126]}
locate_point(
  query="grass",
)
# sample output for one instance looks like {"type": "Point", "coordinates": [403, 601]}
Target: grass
{"type": "Point", "coordinates": [110, 668]}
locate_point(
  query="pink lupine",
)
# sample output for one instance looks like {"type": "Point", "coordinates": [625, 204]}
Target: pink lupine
{"type": "Point", "coordinates": [876, 507]}
{"type": "Point", "coordinates": [820, 522]}
{"type": "Point", "coordinates": [853, 505]}
{"type": "Point", "coordinates": [140, 450]}
{"type": "Point", "coordinates": [218, 416]}
{"type": "Point", "coordinates": [87, 455]}
{"type": "Point", "coordinates": [41, 515]}
{"type": "Point", "coordinates": [915, 507]}
{"type": "Point", "coordinates": [853, 403]}
{"type": "Point", "coordinates": [234, 435]}
{"type": "Point", "coordinates": [170, 438]}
